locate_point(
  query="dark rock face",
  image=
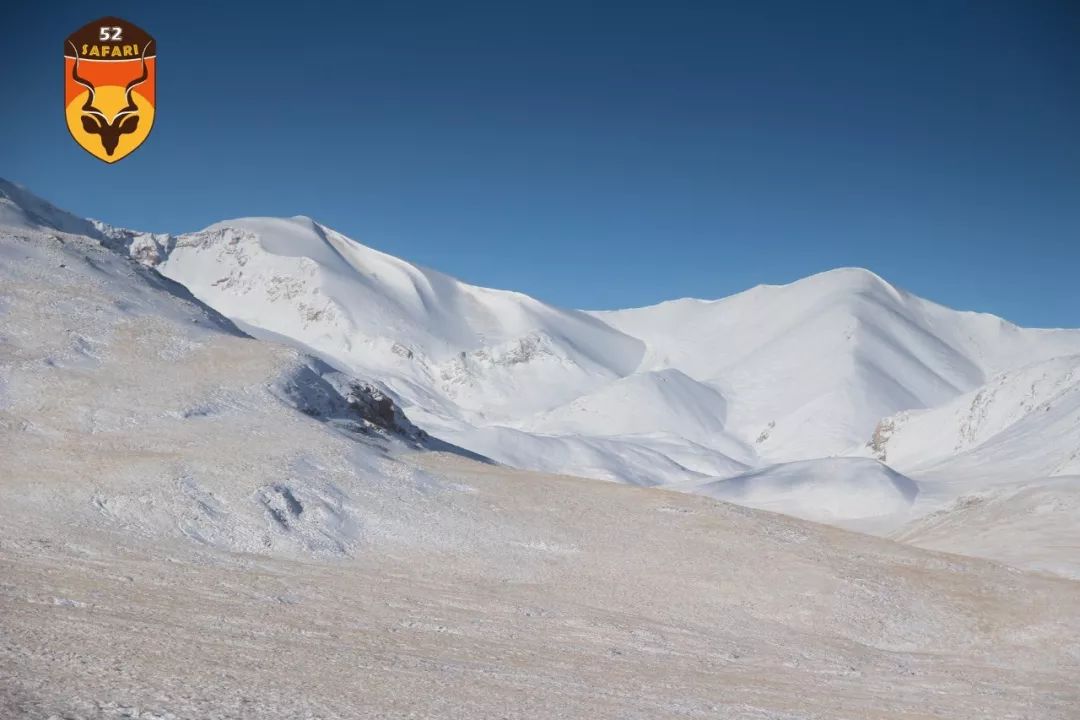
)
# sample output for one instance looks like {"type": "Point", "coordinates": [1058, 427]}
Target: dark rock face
{"type": "Point", "coordinates": [357, 408]}
{"type": "Point", "coordinates": [350, 404]}
{"type": "Point", "coordinates": [374, 406]}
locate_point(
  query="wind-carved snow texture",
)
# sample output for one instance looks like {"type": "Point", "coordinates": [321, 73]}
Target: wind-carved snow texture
{"type": "Point", "coordinates": [195, 523]}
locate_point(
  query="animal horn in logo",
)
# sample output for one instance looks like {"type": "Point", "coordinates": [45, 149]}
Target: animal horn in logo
{"type": "Point", "coordinates": [125, 122]}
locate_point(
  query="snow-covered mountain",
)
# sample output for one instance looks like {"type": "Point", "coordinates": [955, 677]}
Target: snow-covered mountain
{"type": "Point", "coordinates": [688, 393]}
{"type": "Point", "coordinates": [651, 396]}
{"type": "Point", "coordinates": [195, 523]}
{"type": "Point", "coordinates": [998, 468]}
{"type": "Point", "coordinates": [135, 407]}
{"type": "Point", "coordinates": [1024, 420]}
{"type": "Point", "coordinates": [481, 352]}
{"type": "Point", "coordinates": [809, 368]}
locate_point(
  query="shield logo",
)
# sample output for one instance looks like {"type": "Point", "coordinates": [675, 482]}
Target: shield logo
{"type": "Point", "coordinates": [110, 71]}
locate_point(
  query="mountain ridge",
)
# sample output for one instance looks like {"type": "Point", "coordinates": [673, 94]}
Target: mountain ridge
{"type": "Point", "coordinates": [687, 392]}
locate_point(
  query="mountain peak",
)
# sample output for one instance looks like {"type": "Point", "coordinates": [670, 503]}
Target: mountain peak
{"type": "Point", "coordinates": [845, 280]}
{"type": "Point", "coordinates": [850, 274]}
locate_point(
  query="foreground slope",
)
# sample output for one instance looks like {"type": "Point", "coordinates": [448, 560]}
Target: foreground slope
{"type": "Point", "coordinates": [562, 598]}
{"type": "Point", "coordinates": [146, 411]}
{"type": "Point", "coordinates": [1031, 524]}
{"type": "Point", "coordinates": [197, 524]}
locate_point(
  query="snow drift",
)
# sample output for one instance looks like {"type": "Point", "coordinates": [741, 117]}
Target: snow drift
{"type": "Point", "coordinates": [825, 490]}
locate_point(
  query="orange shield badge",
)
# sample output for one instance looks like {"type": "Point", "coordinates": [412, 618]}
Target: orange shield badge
{"type": "Point", "coordinates": [109, 81]}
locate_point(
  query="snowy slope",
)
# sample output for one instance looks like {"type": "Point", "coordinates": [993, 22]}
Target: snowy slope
{"type": "Point", "coordinates": [1022, 420]}
{"type": "Point", "coordinates": [648, 460]}
{"type": "Point", "coordinates": [476, 350]}
{"type": "Point", "coordinates": [22, 210]}
{"type": "Point", "coordinates": [140, 409]}
{"type": "Point", "coordinates": [490, 370]}
{"type": "Point", "coordinates": [194, 523]}
{"type": "Point", "coordinates": [809, 368]}
{"type": "Point", "coordinates": [773, 374]}
{"type": "Point", "coordinates": [997, 468]}
{"type": "Point", "coordinates": [1034, 524]}
{"type": "Point", "coordinates": [826, 490]}
{"type": "Point", "coordinates": [665, 401]}
{"type": "Point", "coordinates": [683, 393]}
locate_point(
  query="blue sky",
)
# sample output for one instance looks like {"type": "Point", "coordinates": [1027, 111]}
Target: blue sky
{"type": "Point", "coordinates": [604, 156]}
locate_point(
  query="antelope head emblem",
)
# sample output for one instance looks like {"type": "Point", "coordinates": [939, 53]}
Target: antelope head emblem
{"type": "Point", "coordinates": [124, 122]}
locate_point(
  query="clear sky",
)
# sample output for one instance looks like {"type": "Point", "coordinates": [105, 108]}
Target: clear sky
{"type": "Point", "coordinates": [599, 155]}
